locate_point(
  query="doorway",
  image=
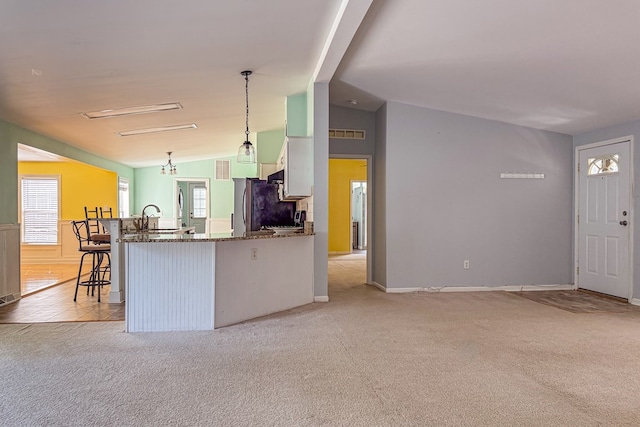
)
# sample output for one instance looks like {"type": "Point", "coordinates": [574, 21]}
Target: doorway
{"type": "Point", "coordinates": [603, 220]}
{"type": "Point", "coordinates": [350, 202]}
{"type": "Point", "coordinates": [49, 271]}
{"type": "Point", "coordinates": [192, 203]}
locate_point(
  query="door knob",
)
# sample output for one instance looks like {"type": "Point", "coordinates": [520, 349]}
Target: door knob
{"type": "Point", "coordinates": [623, 223]}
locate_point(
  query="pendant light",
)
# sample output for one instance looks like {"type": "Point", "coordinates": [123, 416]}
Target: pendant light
{"type": "Point", "coordinates": [246, 152]}
{"type": "Point", "coordinates": [171, 166]}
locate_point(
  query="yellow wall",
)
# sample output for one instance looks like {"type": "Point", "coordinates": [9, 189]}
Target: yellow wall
{"type": "Point", "coordinates": [341, 173]}
{"type": "Point", "coordinates": [80, 185]}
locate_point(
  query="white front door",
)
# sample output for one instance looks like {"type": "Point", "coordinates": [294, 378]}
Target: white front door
{"type": "Point", "coordinates": [603, 219]}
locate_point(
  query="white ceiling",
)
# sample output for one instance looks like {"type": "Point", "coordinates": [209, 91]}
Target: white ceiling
{"type": "Point", "coordinates": [59, 59]}
{"type": "Point", "coordinates": [559, 65]}
{"type": "Point", "coordinates": [562, 65]}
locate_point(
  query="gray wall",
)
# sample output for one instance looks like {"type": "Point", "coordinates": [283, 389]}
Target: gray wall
{"type": "Point", "coordinates": [348, 118]}
{"type": "Point", "coordinates": [318, 97]}
{"type": "Point", "coordinates": [378, 239]}
{"type": "Point", "coordinates": [445, 201]}
{"type": "Point", "coordinates": [620, 131]}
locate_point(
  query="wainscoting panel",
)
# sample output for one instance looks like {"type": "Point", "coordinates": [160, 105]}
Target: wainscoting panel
{"type": "Point", "coordinates": [9, 263]}
{"type": "Point", "coordinates": [219, 225]}
{"type": "Point", "coordinates": [65, 252]}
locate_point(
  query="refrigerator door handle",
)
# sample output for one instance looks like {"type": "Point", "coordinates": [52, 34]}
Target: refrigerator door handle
{"type": "Point", "coordinates": [244, 207]}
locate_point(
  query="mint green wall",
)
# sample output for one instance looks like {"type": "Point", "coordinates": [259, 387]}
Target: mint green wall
{"type": "Point", "coordinates": [152, 187]}
{"type": "Point", "coordinates": [269, 145]}
{"type": "Point", "coordinates": [8, 177]}
{"type": "Point", "coordinates": [10, 136]}
{"type": "Point", "coordinates": [296, 110]}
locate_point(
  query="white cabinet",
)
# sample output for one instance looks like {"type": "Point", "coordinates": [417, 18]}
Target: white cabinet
{"type": "Point", "coordinates": [9, 263]}
{"type": "Point", "coordinates": [296, 158]}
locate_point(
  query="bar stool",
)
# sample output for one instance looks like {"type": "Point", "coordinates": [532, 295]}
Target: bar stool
{"type": "Point", "coordinates": [97, 251]}
{"type": "Point", "coordinates": [97, 232]}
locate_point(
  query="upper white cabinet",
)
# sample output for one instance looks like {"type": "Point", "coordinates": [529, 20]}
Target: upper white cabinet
{"type": "Point", "coordinates": [296, 158]}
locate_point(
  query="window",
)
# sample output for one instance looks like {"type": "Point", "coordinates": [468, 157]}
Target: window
{"type": "Point", "coordinates": [603, 165]}
{"type": "Point", "coordinates": [123, 198]}
{"type": "Point", "coordinates": [199, 202]}
{"type": "Point", "coordinates": [39, 206]}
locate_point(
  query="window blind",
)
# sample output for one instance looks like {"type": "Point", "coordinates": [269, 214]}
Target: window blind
{"type": "Point", "coordinates": [40, 210]}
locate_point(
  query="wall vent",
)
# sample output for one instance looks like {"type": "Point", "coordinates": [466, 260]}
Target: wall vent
{"type": "Point", "coordinates": [346, 134]}
{"type": "Point", "coordinates": [223, 170]}
{"type": "Point", "coordinates": [4, 300]}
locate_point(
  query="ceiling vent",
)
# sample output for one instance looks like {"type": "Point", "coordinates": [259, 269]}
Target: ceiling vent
{"type": "Point", "coordinates": [346, 134]}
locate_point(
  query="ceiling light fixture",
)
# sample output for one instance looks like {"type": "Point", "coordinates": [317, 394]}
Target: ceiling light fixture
{"type": "Point", "coordinates": [158, 129]}
{"type": "Point", "coordinates": [105, 114]}
{"type": "Point", "coordinates": [246, 152]}
{"type": "Point", "coordinates": [171, 166]}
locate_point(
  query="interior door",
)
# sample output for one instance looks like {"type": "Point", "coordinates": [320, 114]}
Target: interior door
{"type": "Point", "coordinates": [197, 206]}
{"type": "Point", "coordinates": [603, 219]}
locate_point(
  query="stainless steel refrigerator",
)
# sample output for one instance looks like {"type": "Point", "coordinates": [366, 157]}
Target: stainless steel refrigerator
{"type": "Point", "coordinates": [257, 204]}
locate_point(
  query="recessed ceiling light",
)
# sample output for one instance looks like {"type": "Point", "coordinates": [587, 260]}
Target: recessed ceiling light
{"type": "Point", "coordinates": [103, 114]}
{"type": "Point", "coordinates": [353, 101]}
{"type": "Point", "coordinates": [158, 129]}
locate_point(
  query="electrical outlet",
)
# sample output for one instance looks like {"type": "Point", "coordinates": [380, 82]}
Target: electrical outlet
{"type": "Point", "coordinates": [254, 254]}
{"type": "Point", "coordinates": [466, 264]}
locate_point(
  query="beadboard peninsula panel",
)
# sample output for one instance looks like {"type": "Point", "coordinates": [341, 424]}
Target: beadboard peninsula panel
{"type": "Point", "coordinates": [170, 286]}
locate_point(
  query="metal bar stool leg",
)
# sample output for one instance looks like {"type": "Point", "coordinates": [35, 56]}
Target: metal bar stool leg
{"type": "Point", "coordinates": [75, 296]}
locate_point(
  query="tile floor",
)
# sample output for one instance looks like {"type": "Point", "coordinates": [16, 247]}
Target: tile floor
{"type": "Point", "coordinates": [48, 297]}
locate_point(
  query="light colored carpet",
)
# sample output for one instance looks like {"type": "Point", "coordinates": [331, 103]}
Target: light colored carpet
{"type": "Point", "coordinates": [364, 359]}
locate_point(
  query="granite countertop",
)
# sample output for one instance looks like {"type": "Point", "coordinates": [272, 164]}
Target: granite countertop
{"type": "Point", "coordinates": [220, 237]}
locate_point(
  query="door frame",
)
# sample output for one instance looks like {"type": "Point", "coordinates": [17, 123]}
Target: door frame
{"type": "Point", "coordinates": [370, 211]}
{"type": "Point", "coordinates": [205, 181]}
{"type": "Point", "coordinates": [576, 205]}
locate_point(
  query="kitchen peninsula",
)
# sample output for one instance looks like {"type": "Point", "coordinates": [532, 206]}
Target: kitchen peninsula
{"type": "Point", "coordinates": [206, 281]}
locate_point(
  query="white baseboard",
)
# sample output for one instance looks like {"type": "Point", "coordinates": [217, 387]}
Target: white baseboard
{"type": "Point", "coordinates": [321, 299]}
{"type": "Point", "coordinates": [509, 288]}
{"type": "Point", "coordinates": [378, 285]}
{"type": "Point", "coordinates": [340, 253]}
{"type": "Point", "coordinates": [634, 301]}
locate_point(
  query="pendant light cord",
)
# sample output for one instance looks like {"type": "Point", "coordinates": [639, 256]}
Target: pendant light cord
{"type": "Point", "coordinates": [246, 87]}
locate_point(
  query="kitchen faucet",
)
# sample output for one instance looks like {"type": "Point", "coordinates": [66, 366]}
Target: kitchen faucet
{"type": "Point", "coordinates": [145, 224]}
